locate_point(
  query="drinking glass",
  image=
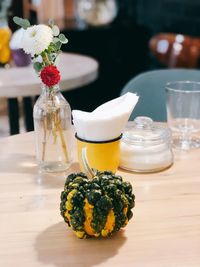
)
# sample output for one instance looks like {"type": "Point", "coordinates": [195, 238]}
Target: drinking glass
{"type": "Point", "coordinates": [183, 113]}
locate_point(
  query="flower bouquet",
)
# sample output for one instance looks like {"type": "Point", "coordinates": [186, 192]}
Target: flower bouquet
{"type": "Point", "coordinates": [52, 113]}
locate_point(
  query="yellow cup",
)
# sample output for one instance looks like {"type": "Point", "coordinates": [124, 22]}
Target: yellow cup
{"type": "Point", "coordinates": [98, 155]}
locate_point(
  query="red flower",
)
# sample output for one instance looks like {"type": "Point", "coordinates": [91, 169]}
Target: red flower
{"type": "Point", "coordinates": [50, 75]}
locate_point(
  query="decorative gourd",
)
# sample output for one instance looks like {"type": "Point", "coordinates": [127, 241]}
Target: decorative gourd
{"type": "Point", "coordinates": [96, 207]}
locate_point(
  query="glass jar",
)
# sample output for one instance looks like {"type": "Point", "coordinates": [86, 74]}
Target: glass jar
{"type": "Point", "coordinates": [145, 146]}
{"type": "Point", "coordinates": [97, 12]}
{"type": "Point", "coordinates": [52, 125]}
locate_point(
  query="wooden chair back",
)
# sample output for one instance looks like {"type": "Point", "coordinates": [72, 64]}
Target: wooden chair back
{"type": "Point", "coordinates": [176, 50]}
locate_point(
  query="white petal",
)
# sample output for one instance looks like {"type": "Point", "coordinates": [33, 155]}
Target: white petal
{"type": "Point", "coordinates": [36, 39]}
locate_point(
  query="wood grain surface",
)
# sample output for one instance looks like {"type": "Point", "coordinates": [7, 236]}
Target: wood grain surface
{"type": "Point", "coordinates": [164, 232]}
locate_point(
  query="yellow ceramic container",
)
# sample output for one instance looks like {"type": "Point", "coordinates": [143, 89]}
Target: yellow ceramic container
{"type": "Point", "coordinates": [99, 155]}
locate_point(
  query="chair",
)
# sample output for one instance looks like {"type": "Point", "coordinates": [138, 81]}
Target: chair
{"type": "Point", "coordinates": [150, 86]}
{"type": "Point", "coordinates": [176, 50]}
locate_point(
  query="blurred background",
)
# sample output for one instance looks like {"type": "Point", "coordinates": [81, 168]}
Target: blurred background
{"type": "Point", "coordinates": [126, 37]}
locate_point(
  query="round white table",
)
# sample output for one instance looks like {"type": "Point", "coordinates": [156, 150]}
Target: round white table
{"type": "Point", "coordinates": [76, 71]}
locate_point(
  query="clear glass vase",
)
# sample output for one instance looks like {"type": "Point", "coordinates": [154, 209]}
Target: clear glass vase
{"type": "Point", "coordinates": [52, 125]}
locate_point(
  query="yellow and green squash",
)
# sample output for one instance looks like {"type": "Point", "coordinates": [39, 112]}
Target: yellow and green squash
{"type": "Point", "coordinates": [96, 207]}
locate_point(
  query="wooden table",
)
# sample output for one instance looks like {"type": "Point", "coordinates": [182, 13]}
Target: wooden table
{"type": "Point", "coordinates": [164, 232]}
{"type": "Point", "coordinates": [76, 71]}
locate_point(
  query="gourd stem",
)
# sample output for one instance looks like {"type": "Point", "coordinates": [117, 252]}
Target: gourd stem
{"type": "Point", "coordinates": [90, 173]}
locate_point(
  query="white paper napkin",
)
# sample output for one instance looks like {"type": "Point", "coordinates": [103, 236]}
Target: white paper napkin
{"type": "Point", "coordinates": [106, 122]}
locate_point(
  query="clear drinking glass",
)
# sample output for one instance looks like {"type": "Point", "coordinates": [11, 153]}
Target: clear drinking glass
{"type": "Point", "coordinates": [183, 113]}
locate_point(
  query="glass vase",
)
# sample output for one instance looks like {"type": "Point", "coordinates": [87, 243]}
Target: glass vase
{"type": "Point", "coordinates": [52, 125]}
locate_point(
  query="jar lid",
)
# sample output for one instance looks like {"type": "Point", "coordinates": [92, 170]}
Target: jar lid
{"type": "Point", "coordinates": [144, 131]}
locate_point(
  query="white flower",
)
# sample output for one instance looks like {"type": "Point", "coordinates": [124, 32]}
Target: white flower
{"type": "Point", "coordinates": [15, 42]}
{"type": "Point", "coordinates": [36, 39]}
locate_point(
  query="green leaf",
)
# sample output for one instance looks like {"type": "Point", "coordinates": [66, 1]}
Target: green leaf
{"type": "Point", "coordinates": [58, 45]}
{"type": "Point", "coordinates": [63, 39]}
{"type": "Point", "coordinates": [24, 23]}
{"type": "Point", "coordinates": [56, 39]}
{"type": "Point", "coordinates": [55, 30]}
{"type": "Point", "coordinates": [37, 66]}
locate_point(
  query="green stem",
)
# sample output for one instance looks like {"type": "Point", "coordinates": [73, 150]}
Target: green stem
{"type": "Point", "coordinates": [45, 138]}
{"type": "Point", "coordinates": [46, 59]}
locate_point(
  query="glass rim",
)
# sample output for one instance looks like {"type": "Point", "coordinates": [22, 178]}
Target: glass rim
{"type": "Point", "coordinates": [169, 84]}
{"type": "Point", "coordinates": [98, 142]}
